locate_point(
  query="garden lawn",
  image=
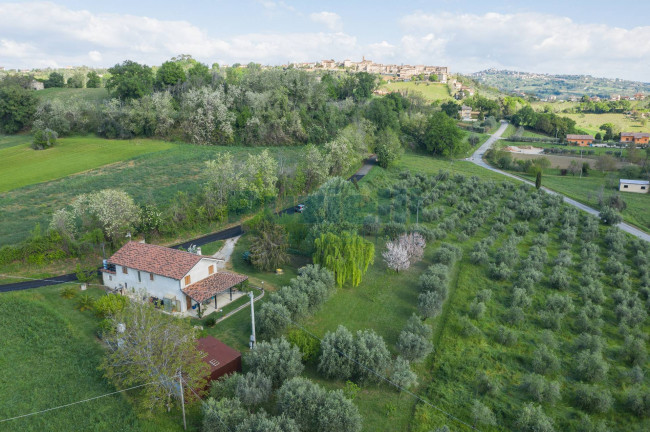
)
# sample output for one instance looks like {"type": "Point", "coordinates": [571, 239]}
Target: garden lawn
{"type": "Point", "coordinates": [20, 165]}
{"type": "Point", "coordinates": [430, 91]}
{"type": "Point", "coordinates": [50, 357]}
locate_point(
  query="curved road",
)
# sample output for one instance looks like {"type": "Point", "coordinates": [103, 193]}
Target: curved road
{"type": "Point", "coordinates": [219, 235]}
{"type": "Point", "coordinates": [477, 158]}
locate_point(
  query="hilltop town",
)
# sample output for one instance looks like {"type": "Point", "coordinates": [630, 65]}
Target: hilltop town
{"type": "Point", "coordinates": [390, 71]}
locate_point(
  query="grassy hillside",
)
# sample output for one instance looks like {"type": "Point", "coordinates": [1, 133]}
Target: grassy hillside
{"type": "Point", "coordinates": [22, 166]}
{"type": "Point", "coordinates": [49, 358]}
{"type": "Point", "coordinates": [95, 95]}
{"type": "Point", "coordinates": [430, 91]}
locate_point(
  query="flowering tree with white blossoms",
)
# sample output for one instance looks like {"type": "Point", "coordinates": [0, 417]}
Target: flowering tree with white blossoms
{"type": "Point", "coordinates": [404, 251]}
{"type": "Point", "coordinates": [396, 256]}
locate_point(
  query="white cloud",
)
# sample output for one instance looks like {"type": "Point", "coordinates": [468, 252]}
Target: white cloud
{"type": "Point", "coordinates": [95, 56]}
{"type": "Point", "coordinates": [30, 37]}
{"type": "Point", "coordinates": [526, 41]}
{"type": "Point", "coordinates": [331, 20]}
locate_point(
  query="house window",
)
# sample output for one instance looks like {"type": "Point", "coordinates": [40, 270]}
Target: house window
{"type": "Point", "coordinates": [642, 187]}
{"type": "Point", "coordinates": [211, 269]}
{"type": "Point", "coordinates": [187, 280]}
{"type": "Point", "coordinates": [150, 276]}
{"type": "Point", "coordinates": [125, 270]}
{"type": "Point", "coordinates": [624, 186]}
{"type": "Point", "coordinates": [139, 277]}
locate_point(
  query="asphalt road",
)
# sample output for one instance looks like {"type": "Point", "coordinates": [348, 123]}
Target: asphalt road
{"type": "Point", "coordinates": [219, 235]}
{"type": "Point", "coordinates": [477, 158]}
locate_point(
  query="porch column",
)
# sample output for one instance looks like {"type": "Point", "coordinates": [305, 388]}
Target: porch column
{"type": "Point", "coordinates": [215, 302]}
{"type": "Point", "coordinates": [230, 293]}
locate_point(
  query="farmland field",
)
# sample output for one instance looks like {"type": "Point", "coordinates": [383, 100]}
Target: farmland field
{"type": "Point", "coordinates": [21, 165]}
{"type": "Point", "coordinates": [590, 123]}
{"type": "Point", "coordinates": [49, 358]}
{"type": "Point", "coordinates": [587, 190]}
{"type": "Point", "coordinates": [95, 95]}
{"type": "Point", "coordinates": [430, 91]}
{"type": "Point", "coordinates": [150, 176]}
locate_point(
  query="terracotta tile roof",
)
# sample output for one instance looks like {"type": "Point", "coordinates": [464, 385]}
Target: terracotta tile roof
{"type": "Point", "coordinates": [635, 134]}
{"type": "Point", "coordinates": [159, 260]}
{"type": "Point", "coordinates": [582, 137]}
{"type": "Point", "coordinates": [212, 285]}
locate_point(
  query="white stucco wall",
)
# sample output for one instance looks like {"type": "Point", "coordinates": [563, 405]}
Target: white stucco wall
{"type": "Point", "coordinates": [160, 286]}
{"type": "Point", "coordinates": [200, 271]}
{"type": "Point", "coordinates": [634, 188]}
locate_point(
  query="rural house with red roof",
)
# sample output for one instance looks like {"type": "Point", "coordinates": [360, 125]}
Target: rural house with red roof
{"type": "Point", "coordinates": [179, 280]}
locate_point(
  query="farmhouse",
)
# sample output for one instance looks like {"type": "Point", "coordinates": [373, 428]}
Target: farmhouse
{"type": "Point", "coordinates": [580, 140]}
{"type": "Point", "coordinates": [178, 280]}
{"type": "Point", "coordinates": [465, 112]}
{"type": "Point", "coordinates": [638, 186]}
{"type": "Point", "coordinates": [638, 138]}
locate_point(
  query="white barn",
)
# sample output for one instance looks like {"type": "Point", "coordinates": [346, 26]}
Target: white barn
{"type": "Point", "coordinates": [638, 186]}
{"type": "Point", "coordinates": [178, 279]}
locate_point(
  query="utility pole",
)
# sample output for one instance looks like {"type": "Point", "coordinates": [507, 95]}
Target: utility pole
{"type": "Point", "coordinates": [253, 340]}
{"type": "Point", "coordinates": [180, 383]}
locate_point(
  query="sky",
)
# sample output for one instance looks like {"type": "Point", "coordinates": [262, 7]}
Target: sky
{"type": "Point", "coordinates": [600, 38]}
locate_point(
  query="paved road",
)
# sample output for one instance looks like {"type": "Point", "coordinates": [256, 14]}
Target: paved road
{"type": "Point", "coordinates": [477, 158]}
{"type": "Point", "coordinates": [220, 235]}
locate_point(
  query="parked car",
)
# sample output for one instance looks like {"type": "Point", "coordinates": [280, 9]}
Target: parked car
{"type": "Point", "coordinates": [300, 208]}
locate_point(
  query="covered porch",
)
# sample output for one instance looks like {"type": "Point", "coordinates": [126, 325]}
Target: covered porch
{"type": "Point", "coordinates": [212, 293]}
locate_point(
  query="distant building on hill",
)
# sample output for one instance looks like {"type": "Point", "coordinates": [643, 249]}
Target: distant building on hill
{"type": "Point", "coordinates": [465, 112]}
{"type": "Point", "coordinates": [36, 85]}
{"type": "Point", "coordinates": [638, 138]}
{"type": "Point", "coordinates": [639, 96]}
{"type": "Point", "coordinates": [580, 140]}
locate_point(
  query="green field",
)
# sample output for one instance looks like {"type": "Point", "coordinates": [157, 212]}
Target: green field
{"type": "Point", "coordinates": [430, 91]}
{"type": "Point", "coordinates": [149, 177]}
{"type": "Point", "coordinates": [7, 141]}
{"type": "Point", "coordinates": [50, 356]}
{"type": "Point", "coordinates": [95, 95]}
{"type": "Point", "coordinates": [21, 165]}
{"type": "Point", "coordinates": [590, 123]}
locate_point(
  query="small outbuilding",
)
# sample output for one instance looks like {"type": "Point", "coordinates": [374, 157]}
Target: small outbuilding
{"type": "Point", "coordinates": [221, 358]}
{"type": "Point", "coordinates": [638, 186]}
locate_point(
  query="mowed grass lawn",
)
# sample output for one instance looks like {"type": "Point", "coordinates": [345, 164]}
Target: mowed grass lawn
{"type": "Point", "coordinates": [50, 356]}
{"type": "Point", "coordinates": [20, 165]}
{"type": "Point", "coordinates": [430, 91]}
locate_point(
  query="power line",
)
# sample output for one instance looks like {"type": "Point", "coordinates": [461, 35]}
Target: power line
{"type": "Point", "coordinates": [75, 403]}
{"type": "Point", "coordinates": [451, 416]}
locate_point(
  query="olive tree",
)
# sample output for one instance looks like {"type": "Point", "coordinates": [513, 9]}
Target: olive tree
{"type": "Point", "coordinates": [277, 359]}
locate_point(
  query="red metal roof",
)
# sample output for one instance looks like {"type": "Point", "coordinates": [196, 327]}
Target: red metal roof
{"type": "Point", "coordinates": [160, 260]}
{"type": "Point", "coordinates": [212, 285]}
{"type": "Point", "coordinates": [636, 134]}
{"type": "Point", "coordinates": [218, 354]}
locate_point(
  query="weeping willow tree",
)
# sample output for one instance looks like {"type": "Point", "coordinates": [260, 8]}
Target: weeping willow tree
{"type": "Point", "coordinates": [347, 255]}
